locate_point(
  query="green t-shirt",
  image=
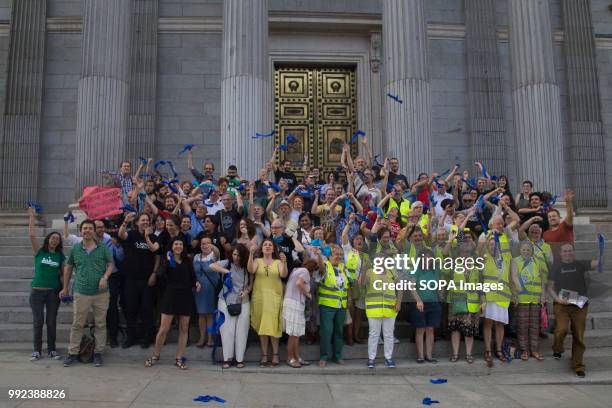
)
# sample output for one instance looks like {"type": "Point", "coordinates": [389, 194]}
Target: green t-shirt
{"type": "Point", "coordinates": [47, 269]}
{"type": "Point", "coordinates": [427, 295]}
{"type": "Point", "coordinates": [88, 268]}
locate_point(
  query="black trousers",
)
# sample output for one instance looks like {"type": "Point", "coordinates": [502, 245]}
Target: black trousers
{"type": "Point", "coordinates": [42, 301]}
{"type": "Point", "coordinates": [115, 291]}
{"type": "Point", "coordinates": [139, 304]}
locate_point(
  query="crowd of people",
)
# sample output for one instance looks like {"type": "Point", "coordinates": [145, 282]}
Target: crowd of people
{"type": "Point", "coordinates": [294, 254]}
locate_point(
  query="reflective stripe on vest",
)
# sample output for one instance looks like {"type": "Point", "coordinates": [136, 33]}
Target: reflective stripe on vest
{"type": "Point", "coordinates": [529, 276]}
{"type": "Point", "coordinates": [330, 294]}
{"type": "Point", "coordinates": [472, 297]}
{"type": "Point", "coordinates": [380, 303]}
{"type": "Point", "coordinates": [352, 264]}
{"type": "Point", "coordinates": [491, 274]}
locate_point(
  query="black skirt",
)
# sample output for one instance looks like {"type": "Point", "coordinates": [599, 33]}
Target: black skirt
{"type": "Point", "coordinates": [178, 301]}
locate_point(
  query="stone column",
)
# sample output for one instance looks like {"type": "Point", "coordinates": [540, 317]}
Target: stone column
{"type": "Point", "coordinates": [20, 129]}
{"type": "Point", "coordinates": [485, 91]}
{"type": "Point", "coordinates": [535, 96]}
{"type": "Point", "coordinates": [586, 149]}
{"type": "Point", "coordinates": [143, 81]}
{"type": "Point", "coordinates": [246, 91]}
{"type": "Point", "coordinates": [375, 134]}
{"type": "Point", "coordinates": [408, 125]}
{"type": "Point", "coordinates": [103, 92]}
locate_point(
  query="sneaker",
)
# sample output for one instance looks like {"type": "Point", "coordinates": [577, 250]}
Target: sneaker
{"type": "Point", "coordinates": [70, 360]}
{"type": "Point", "coordinates": [371, 364]}
{"type": "Point", "coordinates": [97, 361]}
{"type": "Point", "coordinates": [580, 374]}
{"type": "Point", "coordinates": [35, 356]}
{"type": "Point", "coordinates": [395, 340]}
{"type": "Point", "coordinates": [390, 363]}
{"type": "Point", "coordinates": [557, 356]}
{"type": "Point", "coordinates": [53, 354]}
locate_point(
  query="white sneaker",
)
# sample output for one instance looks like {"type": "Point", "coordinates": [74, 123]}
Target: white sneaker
{"type": "Point", "coordinates": [35, 356]}
{"type": "Point", "coordinates": [53, 354]}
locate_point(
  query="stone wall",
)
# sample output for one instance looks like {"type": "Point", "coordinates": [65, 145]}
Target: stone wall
{"type": "Point", "coordinates": [189, 82]}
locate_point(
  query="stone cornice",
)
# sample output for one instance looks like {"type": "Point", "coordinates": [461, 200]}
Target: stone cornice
{"type": "Point", "coordinates": [296, 21]}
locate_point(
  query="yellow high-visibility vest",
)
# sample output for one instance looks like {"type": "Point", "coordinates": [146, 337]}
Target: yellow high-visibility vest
{"type": "Point", "coordinates": [529, 276]}
{"type": "Point", "coordinates": [330, 294]}
{"type": "Point", "coordinates": [472, 297]}
{"type": "Point", "coordinates": [493, 274]}
{"type": "Point", "coordinates": [380, 303]}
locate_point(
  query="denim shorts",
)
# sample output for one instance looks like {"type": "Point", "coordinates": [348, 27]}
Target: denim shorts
{"type": "Point", "coordinates": [429, 317]}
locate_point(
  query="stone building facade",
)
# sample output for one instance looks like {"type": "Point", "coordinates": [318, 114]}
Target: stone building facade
{"type": "Point", "coordinates": [523, 85]}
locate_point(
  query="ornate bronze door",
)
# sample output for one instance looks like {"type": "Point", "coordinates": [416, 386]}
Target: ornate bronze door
{"type": "Point", "coordinates": [317, 107]}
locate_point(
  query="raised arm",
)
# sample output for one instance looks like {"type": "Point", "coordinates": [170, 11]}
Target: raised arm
{"type": "Point", "coordinates": [123, 234]}
{"type": "Point", "coordinates": [33, 239]}
{"type": "Point", "coordinates": [356, 203]}
{"type": "Point", "coordinates": [569, 206]}
{"type": "Point", "coordinates": [251, 263]}
{"type": "Point", "coordinates": [367, 150]}
{"type": "Point", "coordinates": [345, 230]}
{"type": "Point", "coordinates": [272, 160]}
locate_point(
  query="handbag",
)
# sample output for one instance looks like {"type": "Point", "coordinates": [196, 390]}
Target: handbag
{"type": "Point", "coordinates": [87, 346]}
{"type": "Point", "coordinates": [236, 308]}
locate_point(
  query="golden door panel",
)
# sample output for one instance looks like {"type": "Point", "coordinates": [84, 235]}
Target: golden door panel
{"type": "Point", "coordinates": [317, 107]}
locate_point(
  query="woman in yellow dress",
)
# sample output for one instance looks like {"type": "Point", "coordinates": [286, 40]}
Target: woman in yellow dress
{"type": "Point", "coordinates": [267, 297]}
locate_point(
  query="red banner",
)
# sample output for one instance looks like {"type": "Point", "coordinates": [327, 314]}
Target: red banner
{"type": "Point", "coordinates": [100, 202]}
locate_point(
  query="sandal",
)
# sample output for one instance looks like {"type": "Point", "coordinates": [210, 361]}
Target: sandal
{"type": "Point", "coordinates": [294, 363]}
{"type": "Point", "coordinates": [226, 365]}
{"type": "Point", "coordinates": [275, 360]}
{"type": "Point", "coordinates": [488, 356]}
{"type": "Point", "coordinates": [500, 356]}
{"type": "Point", "coordinates": [151, 361]}
{"type": "Point", "coordinates": [303, 362]}
{"type": "Point", "coordinates": [264, 361]}
{"type": "Point", "coordinates": [537, 356]}
{"type": "Point", "coordinates": [240, 365]}
{"type": "Point", "coordinates": [181, 363]}
{"type": "Point", "coordinates": [469, 358]}
{"type": "Point", "coordinates": [524, 356]}
{"type": "Point", "coordinates": [454, 358]}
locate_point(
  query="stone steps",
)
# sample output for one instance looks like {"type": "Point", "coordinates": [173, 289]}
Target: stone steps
{"type": "Point", "coordinates": [13, 336]}
{"type": "Point", "coordinates": [16, 272]}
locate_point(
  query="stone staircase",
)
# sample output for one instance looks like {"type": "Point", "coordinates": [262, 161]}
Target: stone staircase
{"type": "Point", "coordinates": [16, 269]}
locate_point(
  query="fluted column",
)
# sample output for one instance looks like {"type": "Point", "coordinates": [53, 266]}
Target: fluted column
{"type": "Point", "coordinates": [246, 102]}
{"type": "Point", "coordinates": [408, 125]}
{"type": "Point", "coordinates": [143, 81]}
{"type": "Point", "coordinates": [535, 96]}
{"type": "Point", "coordinates": [485, 91]}
{"type": "Point", "coordinates": [103, 91]}
{"type": "Point", "coordinates": [586, 150]}
{"type": "Point", "coordinates": [20, 130]}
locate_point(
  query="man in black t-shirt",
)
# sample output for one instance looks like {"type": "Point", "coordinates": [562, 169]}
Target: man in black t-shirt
{"type": "Point", "coordinates": [394, 174]}
{"type": "Point", "coordinates": [284, 172]}
{"type": "Point", "coordinates": [140, 262]}
{"type": "Point", "coordinates": [228, 218]}
{"type": "Point", "coordinates": [570, 275]}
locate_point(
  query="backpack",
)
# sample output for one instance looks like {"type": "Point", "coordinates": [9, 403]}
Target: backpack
{"type": "Point", "coordinates": [87, 346]}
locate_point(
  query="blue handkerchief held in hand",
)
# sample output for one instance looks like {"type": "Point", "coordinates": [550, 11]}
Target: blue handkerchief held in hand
{"type": "Point", "coordinates": [429, 401]}
{"type": "Point", "coordinates": [142, 160]}
{"type": "Point", "coordinates": [69, 217]}
{"type": "Point", "coordinates": [33, 204]}
{"type": "Point", "coordinates": [186, 148]}
{"type": "Point", "coordinates": [208, 398]}
{"type": "Point", "coordinates": [128, 208]}
{"type": "Point", "coordinates": [284, 147]}
{"type": "Point", "coordinates": [291, 139]}
{"type": "Point", "coordinates": [395, 98]}
{"type": "Point", "coordinates": [438, 380]}
{"type": "Point", "coordinates": [357, 134]}
{"type": "Point", "coordinates": [601, 242]}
